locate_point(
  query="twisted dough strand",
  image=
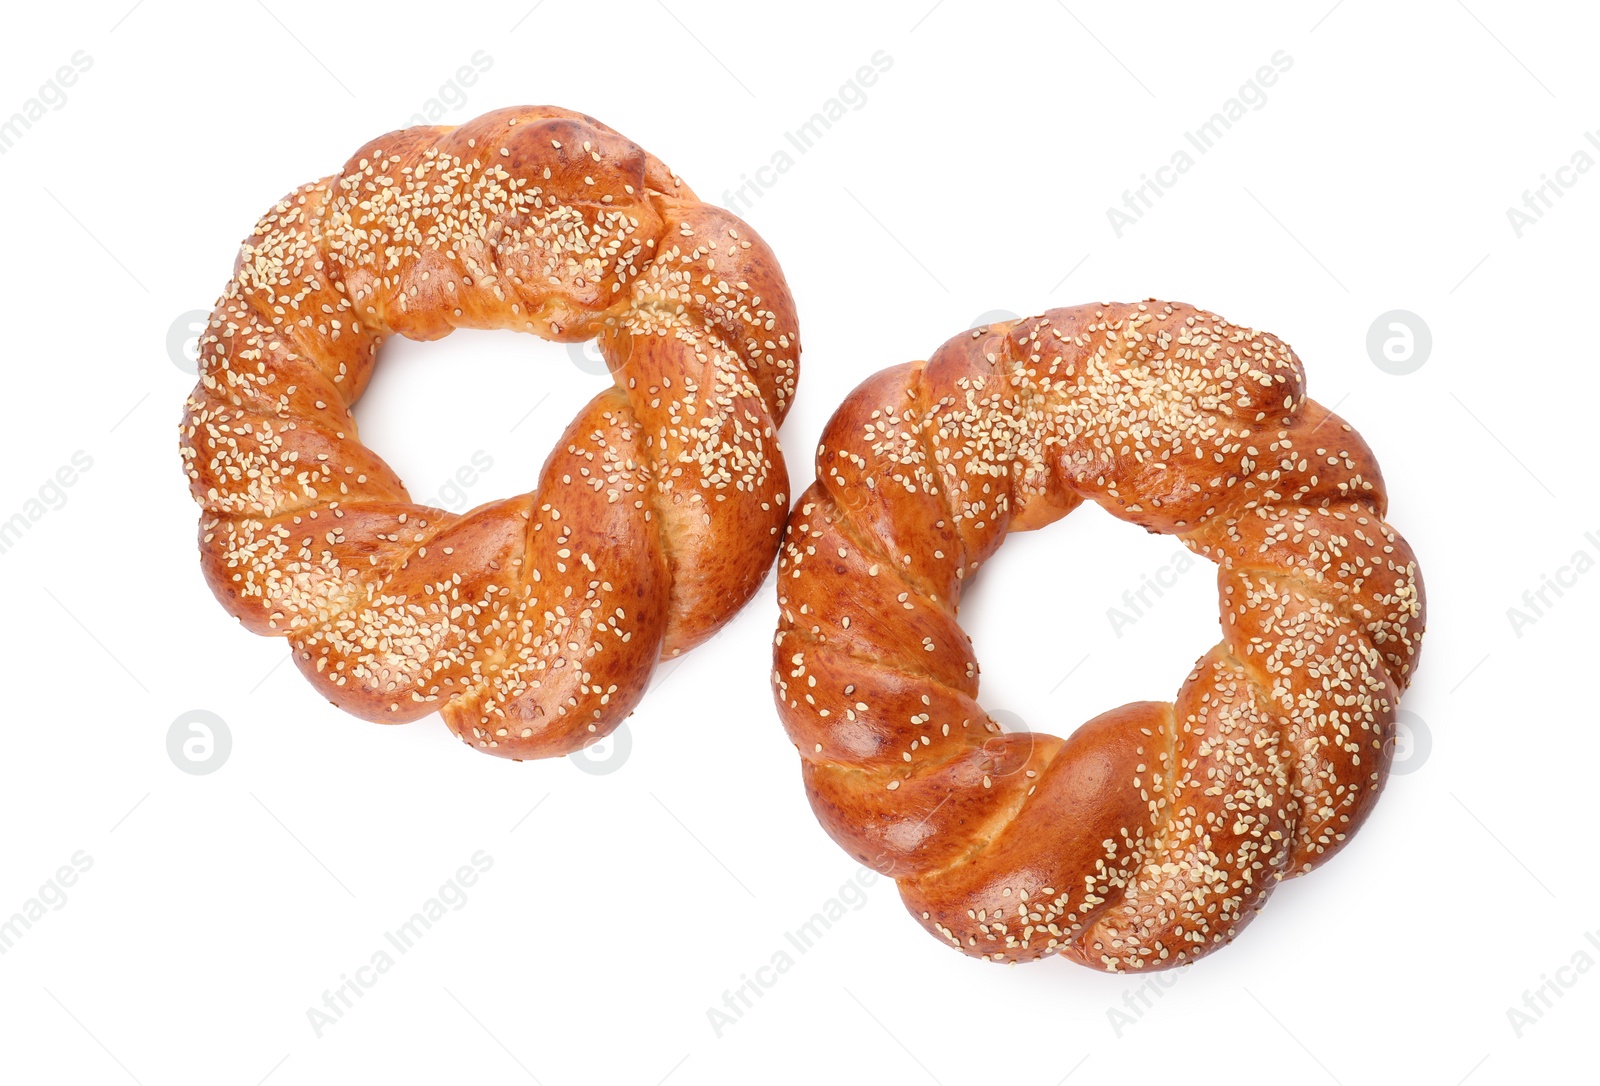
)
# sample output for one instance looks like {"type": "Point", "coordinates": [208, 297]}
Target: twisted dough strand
{"type": "Point", "coordinates": [1153, 833]}
{"type": "Point", "coordinates": [531, 624]}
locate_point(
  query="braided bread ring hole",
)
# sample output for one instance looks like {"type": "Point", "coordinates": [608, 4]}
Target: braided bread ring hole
{"type": "Point", "coordinates": [426, 411]}
{"type": "Point", "coordinates": [1105, 579]}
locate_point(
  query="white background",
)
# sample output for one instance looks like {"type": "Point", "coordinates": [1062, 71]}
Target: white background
{"type": "Point", "coordinates": [976, 176]}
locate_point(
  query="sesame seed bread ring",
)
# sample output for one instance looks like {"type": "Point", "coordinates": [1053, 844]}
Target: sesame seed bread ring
{"type": "Point", "coordinates": [531, 624]}
{"type": "Point", "coordinates": [1151, 835]}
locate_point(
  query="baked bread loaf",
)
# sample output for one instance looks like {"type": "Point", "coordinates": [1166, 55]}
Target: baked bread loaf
{"type": "Point", "coordinates": [1152, 834]}
{"type": "Point", "coordinates": [531, 624]}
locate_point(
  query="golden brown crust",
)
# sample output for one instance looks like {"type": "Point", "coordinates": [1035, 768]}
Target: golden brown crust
{"type": "Point", "coordinates": [1152, 834]}
{"type": "Point", "coordinates": [530, 624]}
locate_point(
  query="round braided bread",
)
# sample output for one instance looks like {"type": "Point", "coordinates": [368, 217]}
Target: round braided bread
{"type": "Point", "coordinates": [532, 624]}
{"type": "Point", "coordinates": [1152, 834]}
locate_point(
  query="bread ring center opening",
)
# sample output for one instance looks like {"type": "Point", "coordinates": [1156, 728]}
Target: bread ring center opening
{"type": "Point", "coordinates": [1084, 615]}
{"type": "Point", "coordinates": [472, 418]}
